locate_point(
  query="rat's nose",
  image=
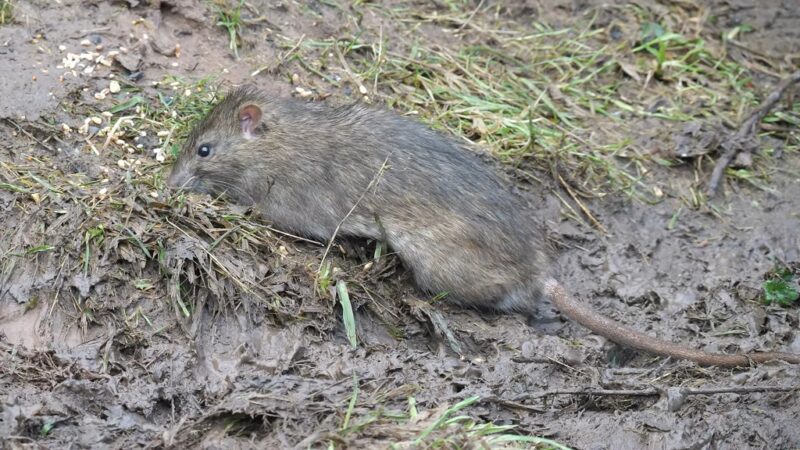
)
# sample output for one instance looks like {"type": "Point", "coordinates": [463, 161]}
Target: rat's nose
{"type": "Point", "coordinates": [177, 178]}
{"type": "Point", "coordinates": [172, 180]}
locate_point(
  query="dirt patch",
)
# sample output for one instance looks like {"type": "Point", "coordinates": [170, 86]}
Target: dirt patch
{"type": "Point", "coordinates": [130, 319]}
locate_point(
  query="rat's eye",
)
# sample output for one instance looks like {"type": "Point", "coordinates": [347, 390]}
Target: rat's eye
{"type": "Point", "coordinates": [204, 150]}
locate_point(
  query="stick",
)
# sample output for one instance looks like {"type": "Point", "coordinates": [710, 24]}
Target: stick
{"type": "Point", "coordinates": [743, 138]}
{"type": "Point", "coordinates": [361, 88]}
{"type": "Point", "coordinates": [657, 391]}
{"type": "Point", "coordinates": [583, 207]}
{"type": "Point", "coordinates": [26, 133]}
{"type": "Point", "coordinates": [469, 19]}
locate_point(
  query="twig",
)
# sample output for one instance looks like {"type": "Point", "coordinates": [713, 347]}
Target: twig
{"type": "Point", "coordinates": [657, 391]}
{"type": "Point", "coordinates": [281, 60]}
{"type": "Point", "coordinates": [544, 360]}
{"type": "Point", "coordinates": [744, 137]}
{"type": "Point", "coordinates": [26, 133]}
{"type": "Point", "coordinates": [361, 88]}
{"type": "Point", "coordinates": [740, 390]}
{"type": "Point", "coordinates": [469, 19]}
{"type": "Point", "coordinates": [512, 404]}
{"type": "Point", "coordinates": [597, 392]}
{"type": "Point", "coordinates": [583, 207]}
{"type": "Point", "coordinates": [113, 131]}
{"type": "Point", "coordinates": [293, 236]}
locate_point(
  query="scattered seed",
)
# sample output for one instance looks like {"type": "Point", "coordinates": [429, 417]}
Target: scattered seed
{"type": "Point", "coordinates": [113, 86]}
{"type": "Point", "coordinates": [160, 157]}
{"type": "Point", "coordinates": [658, 192]}
{"type": "Point", "coordinates": [303, 92]}
{"type": "Point", "coordinates": [86, 43]}
{"type": "Point", "coordinates": [71, 60]}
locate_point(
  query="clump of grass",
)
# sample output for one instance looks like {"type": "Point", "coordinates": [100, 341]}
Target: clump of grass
{"type": "Point", "coordinates": [5, 12]}
{"type": "Point", "coordinates": [230, 18]}
{"type": "Point", "coordinates": [163, 119]}
{"type": "Point", "coordinates": [443, 427]}
{"type": "Point", "coordinates": [450, 429]}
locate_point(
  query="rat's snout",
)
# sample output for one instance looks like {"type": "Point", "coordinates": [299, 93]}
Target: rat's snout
{"type": "Point", "coordinates": [178, 178]}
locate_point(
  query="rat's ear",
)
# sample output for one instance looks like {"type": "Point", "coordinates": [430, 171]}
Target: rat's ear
{"type": "Point", "coordinates": [249, 118]}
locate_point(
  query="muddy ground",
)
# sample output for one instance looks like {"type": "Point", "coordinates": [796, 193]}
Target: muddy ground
{"type": "Point", "coordinates": [130, 319]}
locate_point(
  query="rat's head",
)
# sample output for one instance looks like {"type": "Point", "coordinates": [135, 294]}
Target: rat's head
{"type": "Point", "coordinates": [221, 147]}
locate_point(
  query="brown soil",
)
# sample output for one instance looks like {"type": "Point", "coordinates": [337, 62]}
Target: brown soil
{"type": "Point", "coordinates": [97, 352]}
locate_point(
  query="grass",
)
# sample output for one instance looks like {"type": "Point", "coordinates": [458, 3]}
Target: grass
{"type": "Point", "coordinates": [444, 427]}
{"type": "Point", "coordinates": [348, 319]}
{"type": "Point", "coordinates": [104, 219]}
{"type": "Point", "coordinates": [461, 430]}
{"type": "Point", "coordinates": [230, 19]}
{"type": "Point", "coordinates": [5, 12]}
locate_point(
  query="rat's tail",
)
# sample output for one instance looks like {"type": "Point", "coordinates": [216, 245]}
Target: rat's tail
{"type": "Point", "coordinates": [629, 337]}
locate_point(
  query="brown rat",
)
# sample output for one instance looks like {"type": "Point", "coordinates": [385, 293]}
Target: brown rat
{"type": "Point", "coordinates": [452, 220]}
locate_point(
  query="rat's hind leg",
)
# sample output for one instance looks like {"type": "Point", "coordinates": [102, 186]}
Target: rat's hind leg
{"type": "Point", "coordinates": [531, 303]}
